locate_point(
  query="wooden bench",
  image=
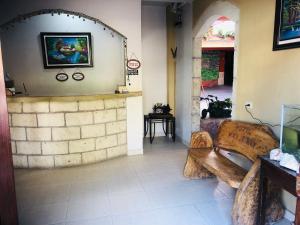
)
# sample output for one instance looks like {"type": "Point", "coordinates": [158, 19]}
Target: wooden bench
{"type": "Point", "coordinates": [207, 158]}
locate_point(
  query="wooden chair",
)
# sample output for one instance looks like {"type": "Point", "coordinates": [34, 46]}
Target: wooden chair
{"type": "Point", "coordinates": [207, 158]}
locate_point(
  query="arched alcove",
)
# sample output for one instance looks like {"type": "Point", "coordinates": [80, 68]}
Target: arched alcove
{"type": "Point", "coordinates": [21, 44]}
{"type": "Point", "coordinates": [215, 10]}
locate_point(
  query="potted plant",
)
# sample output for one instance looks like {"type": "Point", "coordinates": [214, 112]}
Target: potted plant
{"type": "Point", "coordinates": [162, 109]}
{"type": "Point", "coordinates": [217, 108]}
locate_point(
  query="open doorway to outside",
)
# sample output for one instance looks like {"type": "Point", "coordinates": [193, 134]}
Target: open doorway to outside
{"type": "Point", "coordinates": [217, 63]}
{"type": "Point", "coordinates": [217, 73]}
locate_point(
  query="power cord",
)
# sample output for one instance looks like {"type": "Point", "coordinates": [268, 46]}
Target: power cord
{"type": "Point", "coordinates": [258, 120]}
{"type": "Point", "coordinates": [264, 123]}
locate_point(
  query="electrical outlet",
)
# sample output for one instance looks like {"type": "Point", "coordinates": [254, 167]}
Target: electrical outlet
{"type": "Point", "coordinates": [249, 105]}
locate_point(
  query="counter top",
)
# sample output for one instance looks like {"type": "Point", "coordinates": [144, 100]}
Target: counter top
{"type": "Point", "coordinates": [11, 99]}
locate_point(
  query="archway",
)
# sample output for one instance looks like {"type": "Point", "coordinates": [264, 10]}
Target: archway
{"type": "Point", "coordinates": [214, 11]}
{"type": "Point", "coordinates": [35, 26]}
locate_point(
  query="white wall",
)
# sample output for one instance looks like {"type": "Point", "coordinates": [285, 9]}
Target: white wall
{"type": "Point", "coordinates": [135, 121]}
{"type": "Point", "coordinates": [122, 15]}
{"type": "Point", "coordinates": [22, 44]}
{"type": "Point", "coordinates": [154, 51]}
{"type": "Point", "coordinates": [184, 73]}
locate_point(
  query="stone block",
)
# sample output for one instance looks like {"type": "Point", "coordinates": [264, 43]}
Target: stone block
{"type": "Point", "coordinates": [196, 106]}
{"type": "Point", "coordinates": [67, 160]}
{"type": "Point", "coordinates": [91, 105]}
{"type": "Point", "coordinates": [29, 107]}
{"type": "Point", "coordinates": [38, 134]}
{"type": "Point", "coordinates": [51, 120]}
{"type": "Point", "coordinates": [196, 86]}
{"type": "Point", "coordinates": [116, 127]}
{"type": "Point", "coordinates": [106, 142]}
{"type": "Point", "coordinates": [29, 148]}
{"type": "Point", "coordinates": [105, 116]}
{"type": "Point", "coordinates": [83, 145]}
{"type": "Point", "coordinates": [115, 103]}
{"type": "Point", "coordinates": [65, 133]}
{"type": "Point", "coordinates": [13, 147]}
{"type": "Point", "coordinates": [122, 138]}
{"type": "Point", "coordinates": [63, 106]}
{"type": "Point", "coordinates": [91, 157]}
{"type": "Point", "coordinates": [90, 131]}
{"type": "Point", "coordinates": [14, 107]}
{"type": "Point", "coordinates": [195, 122]}
{"type": "Point", "coordinates": [80, 118]}
{"type": "Point", "coordinates": [121, 114]}
{"type": "Point", "coordinates": [17, 134]}
{"type": "Point", "coordinates": [41, 161]}
{"type": "Point", "coordinates": [55, 148]}
{"type": "Point", "coordinates": [24, 120]}
{"type": "Point", "coordinates": [116, 151]}
{"type": "Point", "coordinates": [20, 161]}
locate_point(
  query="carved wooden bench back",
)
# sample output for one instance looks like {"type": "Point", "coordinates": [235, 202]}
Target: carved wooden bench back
{"type": "Point", "coordinates": [250, 140]}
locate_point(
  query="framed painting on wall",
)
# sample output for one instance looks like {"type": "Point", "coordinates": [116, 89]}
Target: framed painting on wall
{"type": "Point", "coordinates": [62, 50]}
{"type": "Point", "coordinates": [287, 25]}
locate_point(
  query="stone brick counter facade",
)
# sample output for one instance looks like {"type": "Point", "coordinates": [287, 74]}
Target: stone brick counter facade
{"type": "Point", "coordinates": [61, 132]}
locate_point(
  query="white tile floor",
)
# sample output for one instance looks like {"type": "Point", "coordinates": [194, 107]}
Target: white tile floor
{"type": "Point", "coordinates": [139, 190]}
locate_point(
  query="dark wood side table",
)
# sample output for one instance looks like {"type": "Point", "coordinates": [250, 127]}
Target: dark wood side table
{"type": "Point", "coordinates": [278, 175]}
{"type": "Point", "coordinates": [167, 120]}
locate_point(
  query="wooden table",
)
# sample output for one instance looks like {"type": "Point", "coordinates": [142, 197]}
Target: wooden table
{"type": "Point", "coordinates": [165, 119]}
{"type": "Point", "coordinates": [284, 178]}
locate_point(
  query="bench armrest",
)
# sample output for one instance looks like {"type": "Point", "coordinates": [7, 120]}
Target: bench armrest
{"type": "Point", "coordinates": [201, 139]}
{"type": "Point", "coordinates": [245, 205]}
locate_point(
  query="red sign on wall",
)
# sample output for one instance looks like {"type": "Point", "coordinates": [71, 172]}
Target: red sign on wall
{"type": "Point", "coordinates": [133, 64]}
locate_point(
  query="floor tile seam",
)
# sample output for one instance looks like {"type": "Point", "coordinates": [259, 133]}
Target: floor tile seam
{"type": "Point", "coordinates": [35, 210]}
{"type": "Point", "coordinates": [151, 210]}
{"type": "Point", "coordinates": [88, 219]}
{"type": "Point", "coordinates": [223, 192]}
{"type": "Point", "coordinates": [200, 214]}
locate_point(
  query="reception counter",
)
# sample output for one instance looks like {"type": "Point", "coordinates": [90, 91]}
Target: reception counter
{"type": "Point", "coordinates": [49, 132]}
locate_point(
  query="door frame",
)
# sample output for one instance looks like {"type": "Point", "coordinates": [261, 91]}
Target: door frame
{"type": "Point", "coordinates": [8, 204]}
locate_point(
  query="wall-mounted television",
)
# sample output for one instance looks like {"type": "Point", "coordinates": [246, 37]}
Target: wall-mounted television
{"type": "Point", "coordinates": [62, 50]}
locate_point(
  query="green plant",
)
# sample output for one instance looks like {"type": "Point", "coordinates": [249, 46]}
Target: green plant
{"type": "Point", "coordinates": [217, 108]}
{"type": "Point", "coordinates": [160, 108]}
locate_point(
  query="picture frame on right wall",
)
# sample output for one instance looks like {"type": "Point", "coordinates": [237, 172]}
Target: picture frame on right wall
{"type": "Point", "coordinates": [287, 25]}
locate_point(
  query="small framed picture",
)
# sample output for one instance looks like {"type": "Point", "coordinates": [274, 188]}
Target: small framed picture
{"type": "Point", "coordinates": [287, 25]}
{"type": "Point", "coordinates": [61, 50]}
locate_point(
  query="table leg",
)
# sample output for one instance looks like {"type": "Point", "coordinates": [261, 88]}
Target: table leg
{"type": "Point", "coordinates": [152, 137]}
{"type": "Point", "coordinates": [261, 217]}
{"type": "Point", "coordinates": [173, 129]}
{"type": "Point", "coordinates": [150, 129]}
{"type": "Point", "coordinates": [145, 127]}
{"type": "Point", "coordinates": [167, 127]}
{"type": "Point", "coordinates": [163, 126]}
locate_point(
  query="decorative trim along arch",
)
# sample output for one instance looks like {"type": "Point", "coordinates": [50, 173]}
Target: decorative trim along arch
{"type": "Point", "coordinates": [23, 17]}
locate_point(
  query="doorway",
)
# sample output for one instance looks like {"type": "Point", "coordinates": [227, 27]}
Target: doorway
{"type": "Point", "coordinates": [217, 62]}
{"type": "Point", "coordinates": [222, 11]}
